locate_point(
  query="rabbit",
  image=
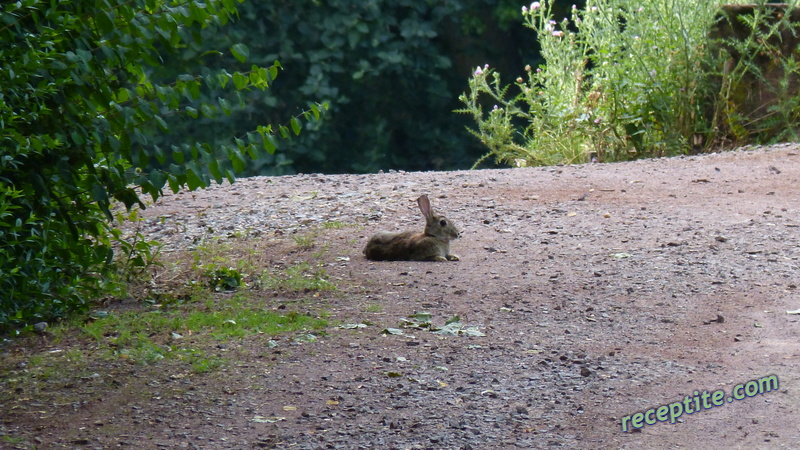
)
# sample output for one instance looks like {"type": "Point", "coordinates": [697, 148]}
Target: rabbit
{"type": "Point", "coordinates": [431, 245]}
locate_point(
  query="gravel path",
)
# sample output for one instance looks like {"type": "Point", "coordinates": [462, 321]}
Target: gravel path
{"type": "Point", "coordinates": [586, 293]}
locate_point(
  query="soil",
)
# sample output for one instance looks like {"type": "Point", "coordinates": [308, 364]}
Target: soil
{"type": "Point", "coordinates": [587, 294]}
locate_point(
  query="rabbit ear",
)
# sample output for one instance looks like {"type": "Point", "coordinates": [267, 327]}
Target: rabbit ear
{"type": "Point", "coordinates": [424, 206]}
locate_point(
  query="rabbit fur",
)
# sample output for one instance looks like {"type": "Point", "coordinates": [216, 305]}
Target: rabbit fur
{"type": "Point", "coordinates": [433, 244]}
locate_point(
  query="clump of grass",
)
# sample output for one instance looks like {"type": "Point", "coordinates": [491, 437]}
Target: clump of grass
{"type": "Point", "coordinates": [373, 308]}
{"type": "Point", "coordinates": [305, 241]}
{"type": "Point", "coordinates": [334, 225]}
{"type": "Point", "coordinates": [300, 277]}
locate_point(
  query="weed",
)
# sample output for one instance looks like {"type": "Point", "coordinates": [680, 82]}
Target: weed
{"type": "Point", "coordinates": [625, 79]}
{"type": "Point", "coordinates": [373, 308]}
{"type": "Point", "coordinates": [223, 278]}
{"type": "Point", "coordinates": [305, 241]}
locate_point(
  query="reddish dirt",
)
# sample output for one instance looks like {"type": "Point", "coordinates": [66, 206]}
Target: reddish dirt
{"type": "Point", "coordinates": [602, 290]}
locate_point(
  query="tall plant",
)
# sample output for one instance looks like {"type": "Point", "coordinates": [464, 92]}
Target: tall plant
{"type": "Point", "coordinates": [78, 109]}
{"type": "Point", "coordinates": [621, 79]}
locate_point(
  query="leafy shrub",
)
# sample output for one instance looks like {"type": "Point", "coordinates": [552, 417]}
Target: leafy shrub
{"type": "Point", "coordinates": [626, 79]}
{"type": "Point", "coordinates": [78, 110]}
{"type": "Point", "coordinates": [755, 72]}
{"type": "Point", "coordinates": [223, 278]}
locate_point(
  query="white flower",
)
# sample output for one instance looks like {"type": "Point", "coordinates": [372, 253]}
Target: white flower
{"type": "Point", "coordinates": [524, 9]}
{"type": "Point", "coordinates": [478, 71]}
{"type": "Point", "coordinates": [558, 33]}
{"type": "Point", "coordinates": [535, 6]}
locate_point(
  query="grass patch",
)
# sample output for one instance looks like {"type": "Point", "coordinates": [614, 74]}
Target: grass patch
{"type": "Point", "coordinates": [300, 277]}
{"type": "Point", "coordinates": [145, 337]}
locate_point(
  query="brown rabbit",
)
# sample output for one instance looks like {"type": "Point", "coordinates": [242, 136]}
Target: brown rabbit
{"type": "Point", "coordinates": [431, 245]}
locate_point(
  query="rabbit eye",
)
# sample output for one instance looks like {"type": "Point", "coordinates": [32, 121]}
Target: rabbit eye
{"type": "Point", "coordinates": [443, 223]}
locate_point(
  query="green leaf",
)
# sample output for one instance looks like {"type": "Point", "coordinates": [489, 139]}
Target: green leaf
{"type": "Point", "coordinates": [269, 143]}
{"type": "Point", "coordinates": [208, 110]}
{"type": "Point", "coordinates": [240, 52]}
{"type": "Point", "coordinates": [178, 156]}
{"type": "Point", "coordinates": [161, 123]}
{"type": "Point", "coordinates": [296, 127]}
{"type": "Point", "coordinates": [105, 21]}
{"type": "Point", "coordinates": [193, 180]}
{"type": "Point", "coordinates": [225, 105]}
{"type": "Point", "coordinates": [213, 168]}
{"type": "Point", "coordinates": [158, 179]}
{"type": "Point", "coordinates": [240, 81]}
{"type": "Point", "coordinates": [237, 161]}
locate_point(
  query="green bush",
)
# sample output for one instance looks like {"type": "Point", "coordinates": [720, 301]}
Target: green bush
{"type": "Point", "coordinates": [78, 112]}
{"type": "Point", "coordinates": [625, 79]}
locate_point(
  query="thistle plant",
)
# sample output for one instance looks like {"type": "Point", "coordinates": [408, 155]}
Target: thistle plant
{"type": "Point", "coordinates": [621, 79]}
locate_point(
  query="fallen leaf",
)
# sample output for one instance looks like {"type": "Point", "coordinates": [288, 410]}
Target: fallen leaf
{"type": "Point", "coordinates": [261, 419]}
{"type": "Point", "coordinates": [352, 326]}
{"type": "Point", "coordinates": [392, 331]}
{"type": "Point", "coordinates": [300, 198]}
{"type": "Point", "coordinates": [472, 331]}
{"type": "Point", "coordinates": [421, 316]}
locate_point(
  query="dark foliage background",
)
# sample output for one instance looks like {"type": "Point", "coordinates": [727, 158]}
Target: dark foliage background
{"type": "Point", "coordinates": [390, 70]}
